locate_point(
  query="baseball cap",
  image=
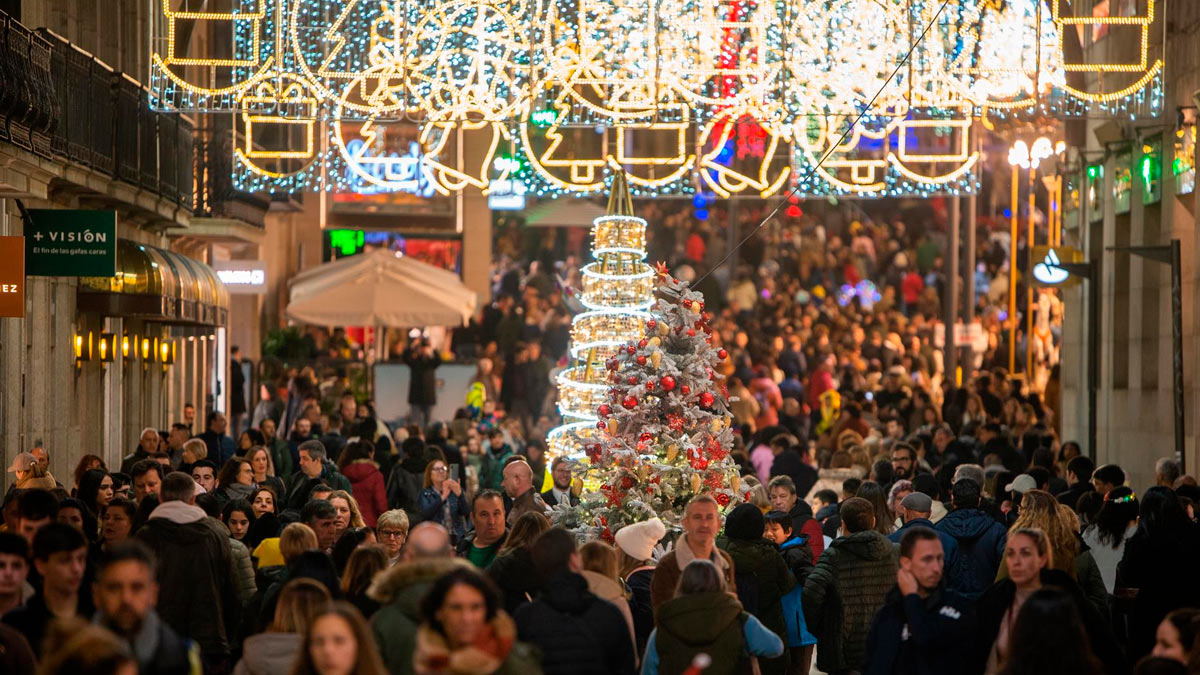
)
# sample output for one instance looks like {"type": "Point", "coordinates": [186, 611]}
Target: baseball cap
{"type": "Point", "coordinates": [22, 462]}
{"type": "Point", "coordinates": [1022, 483]}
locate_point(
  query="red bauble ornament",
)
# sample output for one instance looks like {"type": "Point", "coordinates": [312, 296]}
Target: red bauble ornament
{"type": "Point", "coordinates": [612, 364]}
{"type": "Point", "coordinates": [631, 379]}
{"type": "Point", "coordinates": [630, 402]}
{"type": "Point", "coordinates": [706, 399]}
{"type": "Point", "coordinates": [604, 410]}
{"type": "Point", "coordinates": [687, 304]}
{"type": "Point", "coordinates": [685, 390]}
{"type": "Point", "coordinates": [646, 436]}
{"type": "Point", "coordinates": [668, 383]}
{"type": "Point", "coordinates": [691, 332]}
{"type": "Point", "coordinates": [651, 324]}
{"type": "Point", "coordinates": [722, 499]}
{"type": "Point", "coordinates": [631, 349]}
{"type": "Point", "coordinates": [641, 360]}
{"type": "Point", "coordinates": [593, 453]}
{"type": "Point", "coordinates": [601, 425]}
{"type": "Point", "coordinates": [650, 385]}
{"type": "Point", "coordinates": [642, 343]}
{"type": "Point", "coordinates": [722, 354]}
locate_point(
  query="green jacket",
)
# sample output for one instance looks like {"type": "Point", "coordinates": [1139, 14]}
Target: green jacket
{"type": "Point", "coordinates": [760, 569]}
{"type": "Point", "coordinates": [704, 622]}
{"type": "Point", "coordinates": [842, 594]}
{"type": "Point", "coordinates": [399, 591]}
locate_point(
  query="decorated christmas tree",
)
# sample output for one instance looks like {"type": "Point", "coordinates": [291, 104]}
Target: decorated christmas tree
{"type": "Point", "coordinates": [617, 291]}
{"type": "Point", "coordinates": [663, 436]}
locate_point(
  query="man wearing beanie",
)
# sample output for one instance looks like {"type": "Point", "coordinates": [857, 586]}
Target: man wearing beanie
{"type": "Point", "coordinates": [980, 542]}
{"type": "Point", "coordinates": [701, 522]}
{"type": "Point", "coordinates": [846, 588]}
{"type": "Point", "coordinates": [763, 577]}
{"type": "Point", "coordinates": [636, 543]}
{"type": "Point", "coordinates": [914, 511]}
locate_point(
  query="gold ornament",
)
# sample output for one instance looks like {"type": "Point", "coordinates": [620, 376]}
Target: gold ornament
{"type": "Point", "coordinates": [663, 329]}
{"type": "Point", "coordinates": [612, 427]}
{"type": "Point", "coordinates": [672, 452]}
{"type": "Point", "coordinates": [643, 472]}
{"type": "Point", "coordinates": [654, 341]}
{"type": "Point", "coordinates": [656, 358]}
{"type": "Point", "coordinates": [695, 483]}
{"type": "Point", "coordinates": [717, 424]}
{"type": "Point", "coordinates": [576, 486]}
{"type": "Point", "coordinates": [735, 482]}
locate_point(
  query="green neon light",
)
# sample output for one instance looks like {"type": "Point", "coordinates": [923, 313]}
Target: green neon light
{"type": "Point", "coordinates": [1095, 171]}
{"type": "Point", "coordinates": [347, 242]}
{"type": "Point", "coordinates": [543, 118]}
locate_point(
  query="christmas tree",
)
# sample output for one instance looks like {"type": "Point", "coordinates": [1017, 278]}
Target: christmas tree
{"type": "Point", "coordinates": [663, 436]}
{"type": "Point", "coordinates": [617, 290]}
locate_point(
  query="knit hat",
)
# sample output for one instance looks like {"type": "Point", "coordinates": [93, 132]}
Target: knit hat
{"type": "Point", "coordinates": [917, 501]}
{"type": "Point", "coordinates": [638, 540]}
{"type": "Point", "coordinates": [745, 522]}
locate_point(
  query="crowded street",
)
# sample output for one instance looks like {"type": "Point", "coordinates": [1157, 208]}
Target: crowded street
{"type": "Point", "coordinates": [621, 337]}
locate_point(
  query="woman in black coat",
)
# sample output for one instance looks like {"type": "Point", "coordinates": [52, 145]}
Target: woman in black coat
{"type": "Point", "coordinates": [1158, 568]}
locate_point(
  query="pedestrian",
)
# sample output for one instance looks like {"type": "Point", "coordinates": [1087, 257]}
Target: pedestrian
{"type": "Point", "coordinates": [60, 558]}
{"type": "Point", "coordinates": [195, 570]}
{"type": "Point", "coordinates": [264, 469]}
{"type": "Point", "coordinates": [35, 510]}
{"type": "Point", "coordinates": [848, 585]}
{"type": "Point", "coordinates": [426, 558]}
{"type": "Point", "coordinates": [464, 631]}
{"type": "Point", "coordinates": [798, 558]}
{"type": "Point", "coordinates": [701, 522]}
{"type": "Point", "coordinates": [281, 454]}
{"type": "Point", "coordinates": [1107, 477]}
{"type": "Point", "coordinates": [14, 570]}
{"type": "Point", "coordinates": [274, 652]}
{"type": "Point", "coordinates": [635, 562]}
{"type": "Point", "coordinates": [391, 531]}
{"type": "Point", "coordinates": [338, 642]}
{"type": "Point", "coordinates": [95, 490]}
{"type": "Point", "coordinates": [513, 570]}
{"type": "Point", "coordinates": [264, 500]}
{"type": "Point", "coordinates": [600, 569]}
{"type": "Point", "coordinates": [980, 541]}
{"type": "Point", "coordinates": [762, 575]}
{"type": "Point", "coordinates": [116, 523]}
{"type": "Point", "coordinates": [481, 545]}
{"type": "Point", "coordinates": [923, 628]}
{"type": "Point", "coordinates": [348, 513]}
{"type": "Point", "coordinates": [1176, 635]}
{"type": "Point", "coordinates": [220, 445]}
{"type": "Point", "coordinates": [148, 443]}
{"type": "Point", "coordinates": [365, 562]}
{"type": "Point", "coordinates": [874, 493]}
{"type": "Point", "coordinates": [125, 592]}
{"type": "Point", "coordinates": [1079, 473]}
{"type": "Point", "coordinates": [577, 632]}
{"type": "Point", "coordinates": [235, 481]}
{"type": "Point", "coordinates": [85, 649]}
{"type": "Point", "coordinates": [147, 478]}
{"type": "Point", "coordinates": [518, 485]}
{"type": "Point", "coordinates": [1048, 638]}
{"type": "Point", "coordinates": [357, 464]}
{"type": "Point", "coordinates": [315, 469]}
{"type": "Point", "coordinates": [704, 618]}
{"type": "Point", "coordinates": [404, 483]}
{"type": "Point", "coordinates": [916, 509]}
{"type": "Point", "coordinates": [784, 497]}
{"type": "Point", "coordinates": [1028, 558]}
{"type": "Point", "coordinates": [825, 508]}
{"type": "Point", "coordinates": [1159, 561]}
{"type": "Point", "coordinates": [560, 491]}
{"type": "Point", "coordinates": [442, 500]}
{"type": "Point", "coordinates": [423, 363]}
{"type": "Point", "coordinates": [1115, 524]}
{"type": "Point", "coordinates": [351, 540]}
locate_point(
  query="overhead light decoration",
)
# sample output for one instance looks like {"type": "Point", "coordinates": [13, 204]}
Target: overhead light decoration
{"type": "Point", "coordinates": [570, 88]}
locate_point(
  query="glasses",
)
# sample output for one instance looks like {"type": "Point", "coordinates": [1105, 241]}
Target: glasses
{"type": "Point", "coordinates": [439, 469]}
{"type": "Point", "coordinates": [391, 534]}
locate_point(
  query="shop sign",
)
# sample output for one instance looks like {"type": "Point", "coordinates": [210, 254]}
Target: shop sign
{"type": "Point", "coordinates": [12, 276]}
{"type": "Point", "coordinates": [71, 243]}
{"type": "Point", "coordinates": [1046, 271]}
{"type": "Point", "coordinates": [240, 277]}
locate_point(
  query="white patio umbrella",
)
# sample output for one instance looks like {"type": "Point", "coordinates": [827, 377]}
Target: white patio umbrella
{"type": "Point", "coordinates": [380, 289]}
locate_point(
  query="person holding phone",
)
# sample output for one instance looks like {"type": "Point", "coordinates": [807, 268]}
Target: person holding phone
{"type": "Point", "coordinates": [442, 499]}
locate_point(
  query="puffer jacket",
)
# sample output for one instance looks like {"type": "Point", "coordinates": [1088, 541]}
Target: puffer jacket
{"type": "Point", "coordinates": [578, 633]}
{"type": "Point", "coordinates": [848, 585]}
{"type": "Point", "coordinates": [366, 482]}
{"type": "Point", "coordinates": [269, 654]}
{"type": "Point", "coordinates": [399, 591]}
{"type": "Point", "coordinates": [980, 550]}
{"type": "Point", "coordinates": [761, 571]}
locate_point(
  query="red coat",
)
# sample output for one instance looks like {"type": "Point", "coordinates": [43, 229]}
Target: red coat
{"type": "Point", "coordinates": [366, 481]}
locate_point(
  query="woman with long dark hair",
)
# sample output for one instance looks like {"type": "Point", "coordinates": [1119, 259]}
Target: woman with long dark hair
{"type": "Point", "coordinates": [1115, 524]}
{"type": "Point", "coordinates": [235, 481]}
{"type": "Point", "coordinates": [339, 642]}
{"type": "Point", "coordinates": [95, 490]}
{"type": "Point", "coordinates": [874, 493]}
{"type": "Point", "coordinates": [1049, 639]}
{"type": "Point", "coordinates": [1159, 562]}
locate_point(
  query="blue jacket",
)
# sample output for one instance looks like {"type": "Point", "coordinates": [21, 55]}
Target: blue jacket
{"type": "Point", "coordinates": [915, 636]}
{"type": "Point", "coordinates": [430, 506]}
{"type": "Point", "coordinates": [980, 549]}
{"type": "Point", "coordinates": [949, 544]}
{"type": "Point", "coordinates": [799, 558]}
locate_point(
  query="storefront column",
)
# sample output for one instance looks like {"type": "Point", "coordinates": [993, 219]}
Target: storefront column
{"type": "Point", "coordinates": [475, 224]}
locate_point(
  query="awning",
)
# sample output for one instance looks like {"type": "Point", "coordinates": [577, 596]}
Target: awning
{"type": "Point", "coordinates": [157, 284]}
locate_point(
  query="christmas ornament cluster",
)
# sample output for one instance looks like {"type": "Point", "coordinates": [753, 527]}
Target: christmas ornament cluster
{"type": "Point", "coordinates": [664, 435]}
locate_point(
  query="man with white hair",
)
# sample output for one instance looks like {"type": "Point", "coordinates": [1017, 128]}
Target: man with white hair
{"type": "Point", "coordinates": [148, 443]}
{"type": "Point", "coordinates": [195, 570]}
{"type": "Point", "coordinates": [518, 485]}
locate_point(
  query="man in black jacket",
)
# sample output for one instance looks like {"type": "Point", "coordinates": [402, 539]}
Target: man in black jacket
{"type": "Point", "coordinates": [1079, 475]}
{"type": "Point", "coordinates": [578, 633]}
{"type": "Point", "coordinates": [195, 570]}
{"type": "Point", "coordinates": [922, 629]}
{"type": "Point", "coordinates": [125, 594]}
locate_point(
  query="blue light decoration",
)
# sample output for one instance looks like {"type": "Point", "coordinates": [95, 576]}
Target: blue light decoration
{"type": "Point", "coordinates": [711, 83]}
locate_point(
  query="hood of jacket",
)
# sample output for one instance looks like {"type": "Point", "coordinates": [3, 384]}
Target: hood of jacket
{"type": "Point", "coordinates": [698, 619]}
{"type": "Point", "coordinates": [750, 555]}
{"type": "Point", "coordinates": [567, 592]}
{"type": "Point", "coordinates": [796, 540]}
{"type": "Point", "coordinates": [178, 512]}
{"type": "Point", "coordinates": [603, 587]}
{"type": "Point", "coordinates": [268, 653]}
{"type": "Point", "coordinates": [966, 524]}
{"type": "Point", "coordinates": [867, 545]}
{"type": "Point", "coordinates": [389, 584]}
{"type": "Point", "coordinates": [181, 534]}
{"type": "Point", "coordinates": [359, 470]}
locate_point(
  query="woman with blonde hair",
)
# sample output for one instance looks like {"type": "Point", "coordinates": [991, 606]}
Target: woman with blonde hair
{"type": "Point", "coordinates": [274, 652]}
{"type": "Point", "coordinates": [513, 569]}
{"type": "Point", "coordinates": [264, 469]}
{"type": "Point", "coordinates": [348, 513]}
{"type": "Point", "coordinates": [600, 570]}
{"type": "Point", "coordinates": [1039, 510]}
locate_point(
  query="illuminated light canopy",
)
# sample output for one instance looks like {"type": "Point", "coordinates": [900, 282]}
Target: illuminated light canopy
{"type": "Point", "coordinates": [577, 91]}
